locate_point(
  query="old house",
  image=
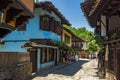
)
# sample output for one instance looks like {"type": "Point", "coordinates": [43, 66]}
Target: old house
{"type": "Point", "coordinates": [73, 41]}
{"type": "Point", "coordinates": [38, 36]}
{"type": "Point", "coordinates": [104, 16]}
{"type": "Point", "coordinates": [67, 36]}
{"type": "Point", "coordinates": [14, 14]}
{"type": "Point", "coordinates": [79, 45]}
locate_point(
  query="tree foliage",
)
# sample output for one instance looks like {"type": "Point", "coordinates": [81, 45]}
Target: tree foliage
{"type": "Point", "coordinates": [80, 32]}
{"type": "Point", "coordinates": [95, 42]}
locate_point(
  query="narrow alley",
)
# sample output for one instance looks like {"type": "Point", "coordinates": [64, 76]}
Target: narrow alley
{"type": "Point", "coordinates": [84, 69]}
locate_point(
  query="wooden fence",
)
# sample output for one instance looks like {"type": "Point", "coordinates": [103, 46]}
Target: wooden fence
{"type": "Point", "coordinates": [13, 58]}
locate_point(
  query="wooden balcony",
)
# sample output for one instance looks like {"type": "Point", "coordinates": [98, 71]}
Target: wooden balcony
{"type": "Point", "coordinates": [14, 13]}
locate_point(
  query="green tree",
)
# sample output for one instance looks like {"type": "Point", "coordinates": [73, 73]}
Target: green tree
{"type": "Point", "coordinates": [95, 44]}
{"type": "Point", "coordinates": [95, 41]}
{"type": "Point", "coordinates": [92, 47]}
{"type": "Point", "coordinates": [80, 32]}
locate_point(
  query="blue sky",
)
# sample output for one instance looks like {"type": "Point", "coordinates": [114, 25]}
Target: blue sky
{"type": "Point", "coordinates": [71, 10]}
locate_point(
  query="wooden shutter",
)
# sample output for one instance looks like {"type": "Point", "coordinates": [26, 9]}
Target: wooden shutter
{"type": "Point", "coordinates": [59, 28]}
{"type": "Point", "coordinates": [55, 27]}
{"type": "Point", "coordinates": [51, 24]}
{"type": "Point", "coordinates": [44, 21]}
{"type": "Point", "coordinates": [41, 22]}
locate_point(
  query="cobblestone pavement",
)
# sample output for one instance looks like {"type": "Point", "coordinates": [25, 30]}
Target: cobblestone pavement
{"type": "Point", "coordinates": [84, 69]}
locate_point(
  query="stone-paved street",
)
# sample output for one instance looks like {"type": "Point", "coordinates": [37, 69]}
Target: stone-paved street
{"type": "Point", "coordinates": [84, 69]}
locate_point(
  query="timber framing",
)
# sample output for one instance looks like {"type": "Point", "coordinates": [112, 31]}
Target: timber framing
{"type": "Point", "coordinates": [13, 14]}
{"type": "Point", "coordinates": [107, 13]}
{"type": "Point", "coordinates": [92, 9]}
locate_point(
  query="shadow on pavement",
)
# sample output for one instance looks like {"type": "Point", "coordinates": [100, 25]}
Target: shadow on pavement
{"type": "Point", "coordinates": [68, 70]}
{"type": "Point", "coordinates": [71, 69]}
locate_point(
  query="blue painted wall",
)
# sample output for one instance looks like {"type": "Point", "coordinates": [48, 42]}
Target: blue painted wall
{"type": "Point", "coordinates": [39, 65]}
{"type": "Point", "coordinates": [32, 31]}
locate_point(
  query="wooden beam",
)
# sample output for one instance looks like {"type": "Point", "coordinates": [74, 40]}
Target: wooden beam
{"type": "Point", "coordinates": [10, 15]}
{"type": "Point", "coordinates": [4, 4]}
{"type": "Point", "coordinates": [115, 2]}
{"type": "Point", "coordinates": [22, 19]}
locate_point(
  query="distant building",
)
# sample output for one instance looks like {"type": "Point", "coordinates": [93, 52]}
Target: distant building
{"type": "Point", "coordinates": [79, 46]}
{"type": "Point", "coordinates": [73, 41]}
{"type": "Point", "coordinates": [67, 36]}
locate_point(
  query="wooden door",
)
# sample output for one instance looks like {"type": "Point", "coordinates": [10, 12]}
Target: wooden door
{"type": "Point", "coordinates": [55, 58]}
{"type": "Point", "coordinates": [111, 59]}
{"type": "Point", "coordinates": [33, 59]}
{"type": "Point", "coordinates": [118, 64]}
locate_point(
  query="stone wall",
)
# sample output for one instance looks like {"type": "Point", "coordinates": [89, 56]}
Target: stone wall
{"type": "Point", "coordinates": [18, 72]}
{"type": "Point", "coordinates": [110, 76]}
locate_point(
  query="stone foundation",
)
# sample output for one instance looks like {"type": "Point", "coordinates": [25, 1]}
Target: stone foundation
{"type": "Point", "coordinates": [110, 76]}
{"type": "Point", "coordinates": [18, 72]}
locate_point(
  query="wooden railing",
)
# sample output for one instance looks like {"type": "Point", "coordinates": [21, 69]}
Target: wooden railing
{"type": "Point", "coordinates": [13, 58]}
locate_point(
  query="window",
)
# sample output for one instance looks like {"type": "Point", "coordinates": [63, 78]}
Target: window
{"type": "Point", "coordinates": [52, 24]}
{"type": "Point", "coordinates": [44, 22]}
{"type": "Point", "coordinates": [1, 16]}
{"type": "Point", "coordinates": [73, 44]}
{"type": "Point", "coordinates": [47, 54]}
{"type": "Point", "coordinates": [51, 54]}
{"type": "Point", "coordinates": [49, 23]}
{"type": "Point", "coordinates": [58, 27]}
{"type": "Point", "coordinates": [43, 55]}
{"type": "Point", "coordinates": [67, 39]}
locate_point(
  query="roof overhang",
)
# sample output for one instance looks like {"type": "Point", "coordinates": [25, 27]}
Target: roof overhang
{"type": "Point", "coordinates": [49, 6]}
{"type": "Point", "coordinates": [13, 14]}
{"type": "Point", "coordinates": [93, 8]}
{"type": "Point", "coordinates": [30, 45]}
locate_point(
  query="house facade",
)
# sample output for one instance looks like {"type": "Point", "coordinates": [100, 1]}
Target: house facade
{"type": "Point", "coordinates": [22, 9]}
{"type": "Point", "coordinates": [79, 45]}
{"type": "Point", "coordinates": [104, 16]}
{"type": "Point", "coordinates": [38, 36]}
{"type": "Point", "coordinates": [67, 36]}
{"type": "Point", "coordinates": [73, 41]}
{"type": "Point", "coordinates": [14, 14]}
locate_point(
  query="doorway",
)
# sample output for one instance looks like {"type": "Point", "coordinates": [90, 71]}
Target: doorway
{"type": "Point", "coordinates": [33, 59]}
{"type": "Point", "coordinates": [118, 63]}
{"type": "Point", "coordinates": [55, 56]}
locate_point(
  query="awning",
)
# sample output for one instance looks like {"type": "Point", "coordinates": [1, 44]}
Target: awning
{"type": "Point", "coordinates": [38, 43]}
{"type": "Point", "coordinates": [29, 45]}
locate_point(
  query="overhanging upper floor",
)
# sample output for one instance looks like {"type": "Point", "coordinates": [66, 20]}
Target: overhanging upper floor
{"type": "Point", "coordinates": [13, 14]}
